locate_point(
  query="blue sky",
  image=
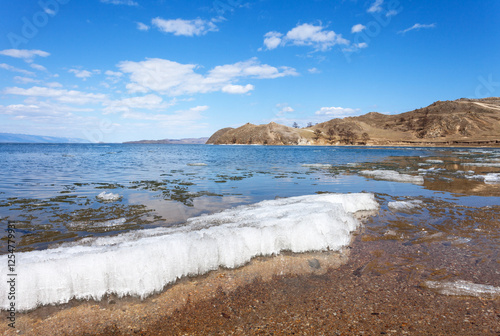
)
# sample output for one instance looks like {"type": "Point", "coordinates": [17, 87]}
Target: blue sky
{"type": "Point", "coordinates": [119, 70]}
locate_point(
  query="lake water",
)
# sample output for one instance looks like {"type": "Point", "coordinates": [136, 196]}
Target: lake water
{"type": "Point", "coordinates": [64, 200]}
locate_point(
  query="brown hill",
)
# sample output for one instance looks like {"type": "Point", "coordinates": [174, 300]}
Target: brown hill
{"type": "Point", "coordinates": [459, 122]}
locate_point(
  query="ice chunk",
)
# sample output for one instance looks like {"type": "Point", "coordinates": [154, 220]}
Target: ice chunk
{"type": "Point", "coordinates": [492, 178]}
{"type": "Point", "coordinates": [90, 224]}
{"type": "Point", "coordinates": [142, 262]}
{"type": "Point", "coordinates": [317, 165]}
{"type": "Point", "coordinates": [197, 164]}
{"type": "Point", "coordinates": [391, 175]}
{"type": "Point", "coordinates": [478, 164]}
{"type": "Point", "coordinates": [405, 205]}
{"type": "Point", "coordinates": [108, 196]}
{"type": "Point", "coordinates": [434, 161]}
{"type": "Point", "coordinates": [463, 288]}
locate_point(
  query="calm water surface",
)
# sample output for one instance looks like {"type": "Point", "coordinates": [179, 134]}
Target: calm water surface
{"type": "Point", "coordinates": [51, 191]}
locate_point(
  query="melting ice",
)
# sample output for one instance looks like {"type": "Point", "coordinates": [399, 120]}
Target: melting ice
{"type": "Point", "coordinates": [142, 262]}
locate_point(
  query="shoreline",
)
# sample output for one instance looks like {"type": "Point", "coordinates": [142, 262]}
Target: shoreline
{"type": "Point", "coordinates": [375, 286]}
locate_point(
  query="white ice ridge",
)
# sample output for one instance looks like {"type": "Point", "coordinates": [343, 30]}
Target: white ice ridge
{"type": "Point", "coordinates": [142, 262]}
{"type": "Point", "coordinates": [464, 288]}
{"type": "Point", "coordinates": [108, 196]}
{"type": "Point", "coordinates": [405, 205]}
{"type": "Point", "coordinates": [197, 164]}
{"type": "Point", "coordinates": [391, 175]}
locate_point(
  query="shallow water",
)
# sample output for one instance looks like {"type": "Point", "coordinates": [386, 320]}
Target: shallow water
{"type": "Point", "coordinates": [57, 194]}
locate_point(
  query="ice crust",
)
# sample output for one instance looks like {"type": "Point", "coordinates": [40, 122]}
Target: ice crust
{"type": "Point", "coordinates": [481, 164]}
{"type": "Point", "coordinates": [142, 262]}
{"type": "Point", "coordinates": [434, 161]}
{"type": "Point", "coordinates": [317, 165]}
{"type": "Point", "coordinates": [197, 164]}
{"type": "Point", "coordinates": [405, 205]}
{"type": "Point", "coordinates": [108, 196]}
{"type": "Point", "coordinates": [464, 288]}
{"type": "Point", "coordinates": [391, 175]}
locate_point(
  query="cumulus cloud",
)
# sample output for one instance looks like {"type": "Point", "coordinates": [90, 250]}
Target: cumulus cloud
{"type": "Point", "coordinates": [172, 78]}
{"type": "Point", "coordinates": [418, 26]}
{"type": "Point", "coordinates": [24, 53]}
{"type": "Point", "coordinates": [357, 28]}
{"type": "Point", "coordinates": [314, 70]}
{"type": "Point", "coordinates": [64, 96]}
{"type": "Point", "coordinates": [305, 34]}
{"type": "Point", "coordinates": [336, 111]}
{"type": "Point", "coordinates": [142, 26]}
{"type": "Point", "coordinates": [14, 69]}
{"type": "Point", "coordinates": [376, 6]}
{"type": "Point", "coordinates": [237, 89]}
{"type": "Point", "coordinates": [182, 27]}
{"type": "Point", "coordinates": [272, 40]}
{"type": "Point", "coordinates": [83, 74]}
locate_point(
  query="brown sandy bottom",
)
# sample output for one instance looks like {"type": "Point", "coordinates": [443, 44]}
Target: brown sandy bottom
{"type": "Point", "coordinates": [375, 287]}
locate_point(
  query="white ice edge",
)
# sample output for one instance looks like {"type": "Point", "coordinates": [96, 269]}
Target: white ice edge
{"type": "Point", "coordinates": [142, 262]}
{"type": "Point", "coordinates": [463, 288]}
{"type": "Point", "coordinates": [317, 165]}
{"type": "Point", "coordinates": [405, 205]}
{"type": "Point", "coordinates": [391, 175]}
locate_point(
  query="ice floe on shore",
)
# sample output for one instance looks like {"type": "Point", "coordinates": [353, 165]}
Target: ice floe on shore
{"type": "Point", "coordinates": [108, 197]}
{"type": "Point", "coordinates": [405, 205]}
{"type": "Point", "coordinates": [463, 288]}
{"type": "Point", "coordinates": [391, 175]}
{"type": "Point", "coordinates": [143, 262]}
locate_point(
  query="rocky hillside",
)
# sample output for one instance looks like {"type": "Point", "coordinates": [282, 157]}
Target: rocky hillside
{"type": "Point", "coordinates": [459, 122]}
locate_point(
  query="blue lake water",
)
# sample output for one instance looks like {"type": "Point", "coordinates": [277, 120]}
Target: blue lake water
{"type": "Point", "coordinates": [51, 190]}
{"type": "Point", "coordinates": [97, 219]}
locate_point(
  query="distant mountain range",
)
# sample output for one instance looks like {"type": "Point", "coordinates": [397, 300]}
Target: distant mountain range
{"type": "Point", "coordinates": [186, 141]}
{"type": "Point", "coordinates": [25, 138]}
{"type": "Point", "coordinates": [460, 122]}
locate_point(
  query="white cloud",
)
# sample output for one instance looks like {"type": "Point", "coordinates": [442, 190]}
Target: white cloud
{"type": "Point", "coordinates": [120, 2]}
{"type": "Point", "coordinates": [142, 26]}
{"type": "Point", "coordinates": [150, 102]}
{"type": "Point", "coordinates": [305, 35]}
{"type": "Point", "coordinates": [237, 89]}
{"type": "Point", "coordinates": [283, 109]}
{"type": "Point", "coordinates": [83, 74]}
{"type": "Point", "coordinates": [64, 96]}
{"type": "Point", "coordinates": [14, 69]}
{"type": "Point", "coordinates": [376, 7]}
{"type": "Point", "coordinates": [25, 80]}
{"type": "Point", "coordinates": [54, 85]}
{"type": "Point", "coordinates": [314, 70]}
{"type": "Point", "coordinates": [172, 78]}
{"type": "Point", "coordinates": [418, 26]}
{"type": "Point", "coordinates": [24, 53]}
{"type": "Point", "coordinates": [182, 27]}
{"type": "Point", "coordinates": [336, 111]}
{"type": "Point", "coordinates": [357, 28]}
{"type": "Point", "coordinates": [272, 40]}
{"type": "Point", "coordinates": [38, 67]}
{"type": "Point", "coordinates": [113, 73]}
